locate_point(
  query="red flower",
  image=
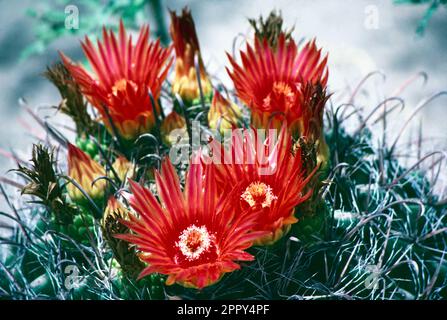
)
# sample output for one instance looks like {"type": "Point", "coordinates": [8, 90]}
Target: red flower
{"type": "Point", "coordinates": [124, 76]}
{"type": "Point", "coordinates": [192, 236]}
{"type": "Point", "coordinates": [271, 179]}
{"type": "Point", "coordinates": [271, 81]}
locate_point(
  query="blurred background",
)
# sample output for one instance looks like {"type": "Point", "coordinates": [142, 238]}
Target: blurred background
{"type": "Point", "coordinates": [360, 36]}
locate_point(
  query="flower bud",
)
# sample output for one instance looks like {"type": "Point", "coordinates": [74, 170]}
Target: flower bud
{"type": "Point", "coordinates": [84, 170]}
{"type": "Point", "coordinates": [223, 114]}
{"type": "Point", "coordinates": [187, 50]}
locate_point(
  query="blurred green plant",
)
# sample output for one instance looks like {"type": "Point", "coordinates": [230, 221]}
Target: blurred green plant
{"type": "Point", "coordinates": [433, 6]}
{"type": "Point", "coordinates": [50, 19]}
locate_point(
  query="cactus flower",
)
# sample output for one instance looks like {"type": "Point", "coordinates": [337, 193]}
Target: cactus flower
{"type": "Point", "coordinates": [124, 75]}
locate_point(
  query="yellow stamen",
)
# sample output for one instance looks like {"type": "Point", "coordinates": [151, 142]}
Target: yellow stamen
{"type": "Point", "coordinates": [258, 193]}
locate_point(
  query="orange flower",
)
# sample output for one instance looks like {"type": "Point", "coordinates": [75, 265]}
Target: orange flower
{"type": "Point", "coordinates": [186, 44]}
{"type": "Point", "coordinates": [222, 114]}
{"type": "Point", "coordinates": [192, 236]}
{"type": "Point", "coordinates": [84, 170]}
{"type": "Point", "coordinates": [271, 179]}
{"type": "Point", "coordinates": [271, 81]}
{"type": "Point", "coordinates": [124, 76]}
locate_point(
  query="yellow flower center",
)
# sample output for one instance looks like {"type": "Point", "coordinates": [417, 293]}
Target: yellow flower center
{"type": "Point", "coordinates": [194, 241]}
{"type": "Point", "coordinates": [121, 85]}
{"type": "Point", "coordinates": [282, 88]}
{"type": "Point", "coordinates": [258, 193]}
{"type": "Point", "coordinates": [282, 96]}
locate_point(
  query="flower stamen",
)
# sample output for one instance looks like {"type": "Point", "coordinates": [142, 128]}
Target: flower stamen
{"type": "Point", "coordinates": [281, 95]}
{"type": "Point", "coordinates": [194, 241]}
{"type": "Point", "coordinates": [258, 193]}
{"type": "Point", "coordinates": [121, 86]}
